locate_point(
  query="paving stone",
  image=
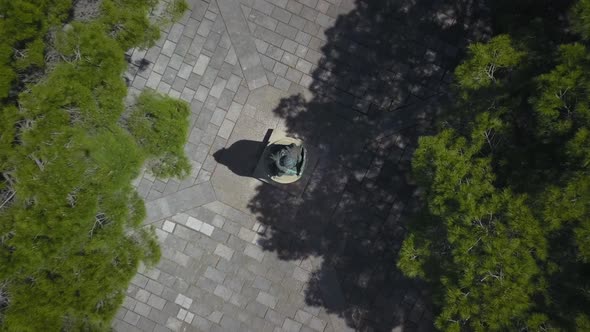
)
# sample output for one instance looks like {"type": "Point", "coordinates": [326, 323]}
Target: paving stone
{"type": "Point", "coordinates": [257, 308]}
{"type": "Point", "coordinates": [263, 6]}
{"type": "Point", "coordinates": [205, 28]}
{"type": "Point", "coordinates": [317, 324]}
{"type": "Point", "coordinates": [206, 228]}
{"type": "Point", "coordinates": [294, 75]}
{"type": "Point", "coordinates": [233, 83]}
{"type": "Point", "coordinates": [145, 324]}
{"type": "Point", "coordinates": [226, 128]}
{"type": "Point", "coordinates": [156, 302]}
{"type": "Point", "coordinates": [291, 326]}
{"type": "Point", "coordinates": [209, 77]}
{"type": "Point", "coordinates": [217, 88]}
{"type": "Point", "coordinates": [224, 251]}
{"type": "Point", "coordinates": [201, 65]}
{"type": "Point", "coordinates": [303, 317]}
{"type": "Point", "coordinates": [223, 292]}
{"type": "Point", "coordinates": [262, 19]}
{"type": "Point", "coordinates": [294, 7]}
{"type": "Point", "coordinates": [261, 283]}
{"type": "Point", "coordinates": [154, 287]}
{"type": "Point", "coordinates": [168, 48]}
{"type": "Point", "coordinates": [282, 84]}
{"type": "Point", "coordinates": [254, 252]}
{"type": "Point", "coordinates": [243, 42]}
{"type": "Point", "coordinates": [131, 318]}
{"type": "Point", "coordinates": [215, 317]}
{"type": "Point", "coordinates": [218, 116]}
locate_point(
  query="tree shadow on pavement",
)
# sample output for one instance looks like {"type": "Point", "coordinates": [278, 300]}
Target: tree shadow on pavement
{"type": "Point", "coordinates": [383, 77]}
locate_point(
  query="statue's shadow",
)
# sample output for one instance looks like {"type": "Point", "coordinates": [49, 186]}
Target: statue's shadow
{"type": "Point", "coordinates": [241, 157]}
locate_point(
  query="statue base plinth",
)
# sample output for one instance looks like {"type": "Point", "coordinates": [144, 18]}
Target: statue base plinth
{"type": "Point", "coordinates": [292, 184]}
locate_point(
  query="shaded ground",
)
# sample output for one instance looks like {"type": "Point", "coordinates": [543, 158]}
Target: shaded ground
{"type": "Point", "coordinates": [383, 77]}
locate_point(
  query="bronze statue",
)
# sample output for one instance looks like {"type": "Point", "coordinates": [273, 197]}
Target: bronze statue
{"type": "Point", "coordinates": [287, 160]}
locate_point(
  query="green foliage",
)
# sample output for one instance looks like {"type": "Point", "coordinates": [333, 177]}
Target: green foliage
{"type": "Point", "coordinates": [159, 123]}
{"type": "Point", "coordinates": [70, 222]}
{"type": "Point", "coordinates": [485, 60]}
{"type": "Point", "coordinates": [581, 18]}
{"type": "Point", "coordinates": [562, 97]}
{"type": "Point", "coordinates": [505, 238]}
{"type": "Point", "coordinates": [23, 27]}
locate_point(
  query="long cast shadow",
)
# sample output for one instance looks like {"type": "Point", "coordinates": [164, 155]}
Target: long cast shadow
{"type": "Point", "coordinates": [383, 77]}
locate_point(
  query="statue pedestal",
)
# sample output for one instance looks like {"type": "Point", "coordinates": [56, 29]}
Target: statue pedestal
{"type": "Point", "coordinates": [292, 184]}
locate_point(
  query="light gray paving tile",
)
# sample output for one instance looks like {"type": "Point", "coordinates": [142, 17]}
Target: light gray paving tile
{"type": "Point", "coordinates": [267, 299]}
{"type": "Point", "coordinates": [275, 52]}
{"type": "Point", "coordinates": [168, 48]}
{"type": "Point", "coordinates": [303, 38]}
{"type": "Point", "coordinates": [209, 77]}
{"type": "Point", "coordinates": [185, 71]}
{"type": "Point", "coordinates": [261, 45]}
{"type": "Point", "coordinates": [309, 13]}
{"type": "Point", "coordinates": [212, 41]}
{"type": "Point", "coordinates": [224, 251]}
{"type": "Point", "coordinates": [163, 87]}
{"type": "Point", "coordinates": [254, 252]}
{"type": "Point", "coordinates": [291, 326]}
{"type": "Point", "coordinates": [268, 36]}
{"type": "Point", "coordinates": [218, 87]}
{"type": "Point", "coordinates": [190, 28]}
{"type": "Point", "coordinates": [261, 283]}
{"type": "Point", "coordinates": [234, 111]}
{"type": "Point", "coordinates": [233, 83]}
{"type": "Point", "coordinates": [201, 65]}
{"type": "Point", "coordinates": [297, 22]}
{"type": "Point", "coordinates": [286, 30]}
{"type": "Point", "coordinates": [231, 57]}
{"type": "Point", "coordinates": [196, 45]}
{"type": "Point", "coordinates": [304, 66]}
{"type": "Point", "coordinates": [202, 93]}
{"type": "Point", "coordinates": [262, 19]}
{"type": "Point", "coordinates": [187, 94]}
{"type": "Point", "coordinates": [257, 308]}
{"type": "Point", "coordinates": [131, 318]}
{"type": "Point", "coordinates": [218, 116]}
{"type": "Point", "coordinates": [294, 75]}
{"type": "Point", "coordinates": [317, 324]}
{"type": "Point", "coordinates": [280, 69]}
{"type": "Point", "coordinates": [289, 59]}
{"type": "Point", "coordinates": [263, 6]}
{"type": "Point", "coordinates": [282, 83]}
{"type": "Point", "coordinates": [294, 6]}
{"type": "Point", "coordinates": [175, 32]}
{"type": "Point", "coordinates": [226, 128]}
{"type": "Point", "coordinates": [223, 292]}
{"type": "Point", "coordinates": [161, 64]}
{"type": "Point", "coordinates": [281, 14]}
{"type": "Point", "coordinates": [142, 309]}
{"type": "Point", "coordinates": [169, 75]}
{"type": "Point", "coordinates": [156, 302]}
{"type": "Point", "coordinates": [205, 28]}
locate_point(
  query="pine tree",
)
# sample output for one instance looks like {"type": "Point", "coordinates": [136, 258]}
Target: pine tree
{"type": "Point", "coordinates": [70, 222]}
{"type": "Point", "coordinates": [505, 239]}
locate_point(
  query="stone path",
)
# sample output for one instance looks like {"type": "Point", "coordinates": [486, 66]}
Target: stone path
{"type": "Point", "coordinates": [355, 80]}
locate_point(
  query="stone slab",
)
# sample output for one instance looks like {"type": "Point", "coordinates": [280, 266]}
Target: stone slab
{"type": "Point", "coordinates": [243, 43]}
{"type": "Point", "coordinates": [179, 201]}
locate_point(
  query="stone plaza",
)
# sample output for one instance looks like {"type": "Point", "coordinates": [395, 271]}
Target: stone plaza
{"type": "Point", "coordinates": [356, 80]}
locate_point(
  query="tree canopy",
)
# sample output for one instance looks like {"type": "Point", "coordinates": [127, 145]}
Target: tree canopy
{"type": "Point", "coordinates": [71, 237]}
{"type": "Point", "coordinates": [505, 240]}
